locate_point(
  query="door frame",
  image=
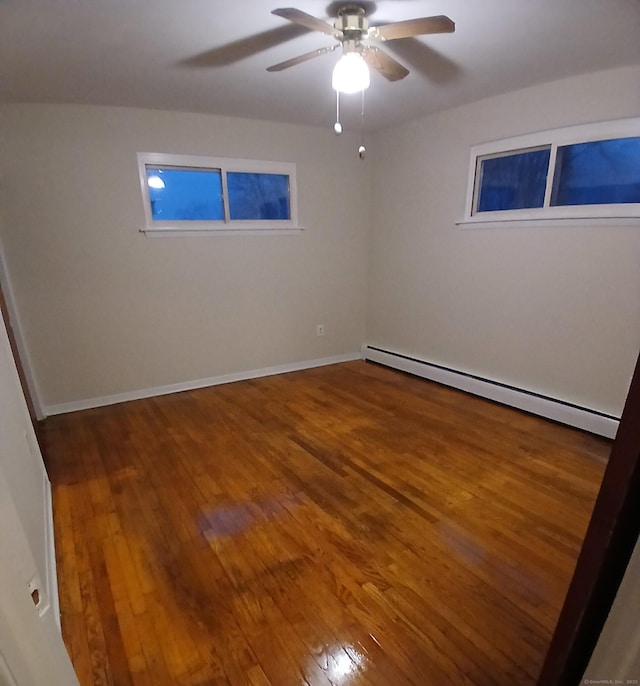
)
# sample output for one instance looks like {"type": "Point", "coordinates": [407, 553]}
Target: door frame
{"type": "Point", "coordinates": [607, 548]}
{"type": "Point", "coordinates": [32, 650]}
{"type": "Point", "coordinates": [17, 342]}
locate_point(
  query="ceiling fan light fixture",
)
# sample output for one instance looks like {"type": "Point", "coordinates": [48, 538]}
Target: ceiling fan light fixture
{"type": "Point", "coordinates": [351, 74]}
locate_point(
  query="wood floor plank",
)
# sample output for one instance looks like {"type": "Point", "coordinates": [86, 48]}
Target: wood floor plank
{"type": "Point", "coordinates": [340, 526]}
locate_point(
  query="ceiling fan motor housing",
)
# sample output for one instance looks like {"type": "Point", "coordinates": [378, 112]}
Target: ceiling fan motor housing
{"type": "Point", "coordinates": [351, 23]}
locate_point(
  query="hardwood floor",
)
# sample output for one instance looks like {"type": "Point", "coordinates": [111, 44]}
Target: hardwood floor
{"type": "Point", "coordinates": [342, 525]}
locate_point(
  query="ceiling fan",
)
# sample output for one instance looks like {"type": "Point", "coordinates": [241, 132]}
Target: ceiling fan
{"type": "Point", "coordinates": [352, 31]}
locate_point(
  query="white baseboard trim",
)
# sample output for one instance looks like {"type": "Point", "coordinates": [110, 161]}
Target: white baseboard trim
{"type": "Point", "coordinates": [52, 569]}
{"type": "Point", "coordinates": [544, 406]}
{"type": "Point", "coordinates": [63, 408]}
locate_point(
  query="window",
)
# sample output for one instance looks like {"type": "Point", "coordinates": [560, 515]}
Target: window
{"type": "Point", "coordinates": [581, 172]}
{"type": "Point", "coordinates": [258, 196]}
{"type": "Point", "coordinates": [513, 181]}
{"type": "Point", "coordinates": [185, 194]}
{"type": "Point", "coordinates": [182, 194]}
{"type": "Point", "coordinates": [598, 173]}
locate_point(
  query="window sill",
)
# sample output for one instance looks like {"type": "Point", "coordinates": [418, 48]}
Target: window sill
{"type": "Point", "coordinates": [541, 222]}
{"type": "Point", "coordinates": [195, 233]}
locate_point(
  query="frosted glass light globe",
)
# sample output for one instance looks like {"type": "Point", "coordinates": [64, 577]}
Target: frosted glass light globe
{"type": "Point", "coordinates": [351, 74]}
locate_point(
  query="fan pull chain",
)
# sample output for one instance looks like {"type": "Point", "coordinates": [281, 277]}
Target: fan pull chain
{"type": "Point", "coordinates": [337, 127]}
{"type": "Point", "coordinates": [362, 151]}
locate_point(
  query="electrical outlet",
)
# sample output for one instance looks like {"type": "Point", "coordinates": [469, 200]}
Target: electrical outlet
{"type": "Point", "coordinates": [320, 330]}
{"type": "Point", "coordinates": [37, 595]}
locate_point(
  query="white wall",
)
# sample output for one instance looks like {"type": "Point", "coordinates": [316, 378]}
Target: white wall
{"type": "Point", "coordinates": [552, 310]}
{"type": "Point", "coordinates": [617, 653]}
{"type": "Point", "coordinates": [106, 311]}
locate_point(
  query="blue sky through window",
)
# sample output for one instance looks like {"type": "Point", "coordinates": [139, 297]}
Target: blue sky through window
{"type": "Point", "coordinates": [513, 182]}
{"type": "Point", "coordinates": [258, 196]}
{"type": "Point", "coordinates": [185, 194]}
{"type": "Point", "coordinates": [598, 173]}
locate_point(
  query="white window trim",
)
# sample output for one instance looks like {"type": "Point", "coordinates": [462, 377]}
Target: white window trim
{"type": "Point", "coordinates": [224, 226]}
{"type": "Point", "coordinates": [542, 216]}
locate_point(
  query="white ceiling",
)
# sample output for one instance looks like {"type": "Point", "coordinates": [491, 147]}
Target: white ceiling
{"type": "Point", "coordinates": [150, 53]}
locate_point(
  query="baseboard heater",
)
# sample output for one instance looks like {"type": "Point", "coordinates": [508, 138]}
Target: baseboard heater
{"type": "Point", "coordinates": [544, 406]}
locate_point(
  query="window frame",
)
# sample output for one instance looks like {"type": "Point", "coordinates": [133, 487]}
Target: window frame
{"type": "Point", "coordinates": [555, 138]}
{"type": "Point", "coordinates": [189, 227]}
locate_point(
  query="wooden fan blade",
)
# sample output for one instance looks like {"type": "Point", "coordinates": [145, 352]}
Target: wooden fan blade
{"type": "Point", "coordinates": [301, 58]}
{"type": "Point", "coordinates": [413, 27]}
{"type": "Point", "coordinates": [384, 64]}
{"type": "Point", "coordinates": [304, 19]}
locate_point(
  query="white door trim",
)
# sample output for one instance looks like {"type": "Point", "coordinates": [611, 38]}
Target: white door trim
{"type": "Point", "coordinates": [25, 358]}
